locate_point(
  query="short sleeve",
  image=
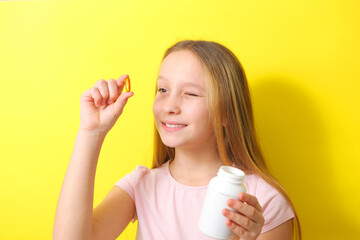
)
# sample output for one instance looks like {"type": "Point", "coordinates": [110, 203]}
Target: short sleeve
{"type": "Point", "coordinates": [130, 180]}
{"type": "Point", "coordinates": [276, 210]}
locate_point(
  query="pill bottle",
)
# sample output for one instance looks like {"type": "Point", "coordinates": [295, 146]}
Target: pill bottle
{"type": "Point", "coordinates": [228, 183]}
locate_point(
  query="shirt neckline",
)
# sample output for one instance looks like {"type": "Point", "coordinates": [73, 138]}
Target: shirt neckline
{"type": "Point", "coordinates": [172, 179]}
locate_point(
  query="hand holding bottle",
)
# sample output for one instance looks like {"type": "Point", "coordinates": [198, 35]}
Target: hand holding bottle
{"type": "Point", "coordinates": [247, 222]}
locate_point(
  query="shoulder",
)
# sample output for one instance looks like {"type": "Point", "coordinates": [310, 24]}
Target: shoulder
{"type": "Point", "coordinates": [265, 192]}
{"type": "Point", "coordinates": [141, 177]}
{"type": "Point", "coordinates": [140, 173]}
{"type": "Point", "coordinates": [276, 208]}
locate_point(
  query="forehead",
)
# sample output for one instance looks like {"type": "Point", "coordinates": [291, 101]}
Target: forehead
{"type": "Point", "coordinates": [182, 66]}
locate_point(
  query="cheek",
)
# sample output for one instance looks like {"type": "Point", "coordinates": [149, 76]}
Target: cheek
{"type": "Point", "coordinates": [156, 109]}
{"type": "Point", "coordinates": [201, 114]}
{"type": "Point", "coordinates": [200, 111]}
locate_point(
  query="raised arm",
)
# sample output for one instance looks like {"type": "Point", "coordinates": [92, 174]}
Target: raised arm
{"type": "Point", "coordinates": [100, 107]}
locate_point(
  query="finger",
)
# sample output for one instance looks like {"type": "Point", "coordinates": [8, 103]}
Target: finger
{"type": "Point", "coordinates": [96, 96]}
{"type": "Point", "coordinates": [241, 220]}
{"type": "Point", "coordinates": [251, 200]}
{"type": "Point", "coordinates": [103, 89]}
{"type": "Point", "coordinates": [113, 91]}
{"type": "Point", "coordinates": [246, 210]}
{"type": "Point", "coordinates": [121, 102]}
{"type": "Point", "coordinates": [121, 82]}
{"type": "Point", "coordinates": [238, 230]}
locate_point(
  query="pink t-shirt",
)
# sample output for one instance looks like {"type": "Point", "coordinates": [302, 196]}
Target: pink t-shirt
{"type": "Point", "coordinates": [167, 209]}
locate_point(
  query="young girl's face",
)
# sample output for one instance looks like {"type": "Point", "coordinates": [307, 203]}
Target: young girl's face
{"type": "Point", "coordinates": [180, 107]}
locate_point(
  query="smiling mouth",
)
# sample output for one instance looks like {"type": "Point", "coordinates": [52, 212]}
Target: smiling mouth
{"type": "Point", "coordinates": [174, 125]}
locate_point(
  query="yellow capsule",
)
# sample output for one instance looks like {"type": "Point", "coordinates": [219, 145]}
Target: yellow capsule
{"type": "Point", "coordinates": [127, 84]}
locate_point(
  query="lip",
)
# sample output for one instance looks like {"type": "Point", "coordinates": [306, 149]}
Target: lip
{"type": "Point", "coordinates": [172, 129]}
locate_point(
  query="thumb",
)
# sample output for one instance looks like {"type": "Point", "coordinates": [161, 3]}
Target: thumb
{"type": "Point", "coordinates": [121, 102]}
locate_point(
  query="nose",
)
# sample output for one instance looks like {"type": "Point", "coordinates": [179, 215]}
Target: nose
{"type": "Point", "coordinates": [172, 105]}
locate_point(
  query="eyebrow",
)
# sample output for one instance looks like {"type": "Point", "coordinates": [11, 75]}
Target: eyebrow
{"type": "Point", "coordinates": [185, 83]}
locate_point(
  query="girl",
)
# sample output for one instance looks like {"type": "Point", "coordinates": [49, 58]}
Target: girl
{"type": "Point", "coordinates": [203, 119]}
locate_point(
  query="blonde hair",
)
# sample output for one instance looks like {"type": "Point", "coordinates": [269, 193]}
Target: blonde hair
{"type": "Point", "coordinates": [231, 111]}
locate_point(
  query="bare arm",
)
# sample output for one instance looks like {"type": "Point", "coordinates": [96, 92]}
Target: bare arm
{"type": "Point", "coordinates": [100, 108]}
{"type": "Point", "coordinates": [73, 219]}
{"type": "Point", "coordinates": [281, 232]}
{"type": "Point", "coordinates": [113, 214]}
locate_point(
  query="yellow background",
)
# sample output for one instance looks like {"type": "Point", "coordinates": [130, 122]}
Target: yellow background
{"type": "Point", "coordinates": [302, 63]}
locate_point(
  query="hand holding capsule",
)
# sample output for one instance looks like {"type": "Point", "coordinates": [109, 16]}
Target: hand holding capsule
{"type": "Point", "coordinates": [102, 105]}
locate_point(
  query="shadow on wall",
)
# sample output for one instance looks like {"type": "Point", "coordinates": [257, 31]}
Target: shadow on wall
{"type": "Point", "coordinates": [294, 141]}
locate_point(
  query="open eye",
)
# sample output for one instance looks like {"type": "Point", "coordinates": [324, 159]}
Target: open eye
{"type": "Point", "coordinates": [162, 90]}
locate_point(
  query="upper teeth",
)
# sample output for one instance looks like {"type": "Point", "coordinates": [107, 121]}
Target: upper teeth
{"type": "Point", "coordinates": [169, 125]}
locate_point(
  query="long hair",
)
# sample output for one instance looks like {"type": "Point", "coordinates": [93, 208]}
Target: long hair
{"type": "Point", "coordinates": [231, 111]}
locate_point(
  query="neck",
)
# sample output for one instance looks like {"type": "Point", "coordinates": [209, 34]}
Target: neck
{"type": "Point", "coordinates": [195, 167]}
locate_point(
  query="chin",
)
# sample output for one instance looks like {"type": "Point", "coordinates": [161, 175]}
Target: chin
{"type": "Point", "coordinates": [178, 144]}
{"type": "Point", "coordinates": [172, 142]}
